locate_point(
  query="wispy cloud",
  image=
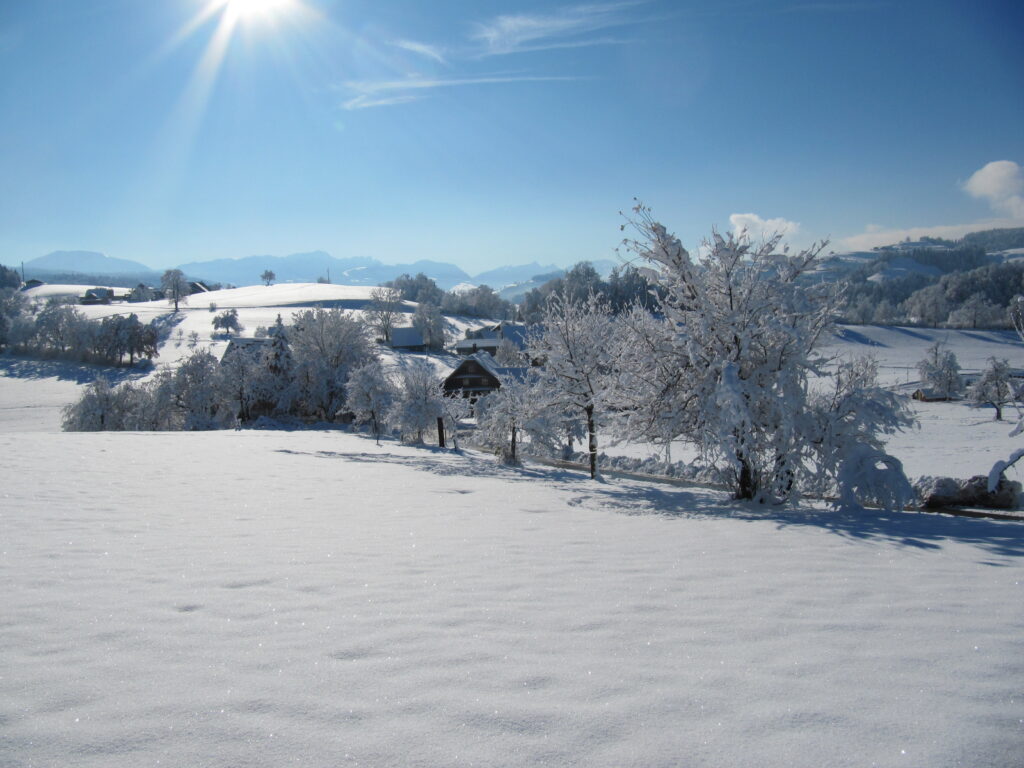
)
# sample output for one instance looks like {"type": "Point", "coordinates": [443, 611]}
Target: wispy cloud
{"type": "Point", "coordinates": [576, 26]}
{"type": "Point", "coordinates": [423, 49]}
{"type": "Point", "coordinates": [373, 93]}
{"type": "Point", "coordinates": [570, 27]}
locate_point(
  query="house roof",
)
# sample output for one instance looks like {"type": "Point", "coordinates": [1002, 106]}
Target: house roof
{"type": "Point", "coordinates": [487, 363]}
{"type": "Point", "coordinates": [406, 337]}
{"type": "Point", "coordinates": [253, 347]}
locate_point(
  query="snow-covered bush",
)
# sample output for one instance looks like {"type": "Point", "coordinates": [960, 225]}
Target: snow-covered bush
{"type": "Point", "coordinates": [869, 476]}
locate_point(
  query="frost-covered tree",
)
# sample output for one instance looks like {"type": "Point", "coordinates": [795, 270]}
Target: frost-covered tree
{"type": "Point", "coordinates": [327, 345]}
{"type": "Point", "coordinates": [369, 396]}
{"type": "Point", "coordinates": [196, 393]}
{"type": "Point", "coordinates": [509, 355]}
{"type": "Point", "coordinates": [940, 371]}
{"type": "Point", "coordinates": [94, 411]}
{"type": "Point", "coordinates": [516, 410]}
{"type": "Point", "coordinates": [227, 321]}
{"type": "Point", "coordinates": [653, 386]}
{"type": "Point", "coordinates": [239, 384]}
{"type": "Point", "coordinates": [747, 331]}
{"type": "Point", "coordinates": [276, 385]}
{"type": "Point", "coordinates": [977, 312]}
{"type": "Point", "coordinates": [175, 287]}
{"type": "Point", "coordinates": [383, 310]}
{"type": "Point", "coordinates": [430, 323]}
{"type": "Point", "coordinates": [454, 409]}
{"type": "Point", "coordinates": [575, 345]}
{"type": "Point", "coordinates": [417, 404]}
{"type": "Point", "coordinates": [994, 387]}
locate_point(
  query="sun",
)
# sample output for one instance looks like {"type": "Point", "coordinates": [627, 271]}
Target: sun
{"type": "Point", "coordinates": [254, 10]}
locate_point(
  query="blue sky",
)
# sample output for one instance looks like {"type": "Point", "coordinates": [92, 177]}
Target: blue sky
{"type": "Point", "coordinates": [486, 133]}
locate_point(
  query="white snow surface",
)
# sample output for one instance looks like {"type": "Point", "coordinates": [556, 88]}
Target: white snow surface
{"type": "Point", "coordinates": [272, 598]}
{"type": "Point", "coordinates": [265, 598]}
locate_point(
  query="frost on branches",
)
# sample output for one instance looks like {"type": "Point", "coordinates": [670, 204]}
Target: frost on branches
{"type": "Point", "coordinates": [576, 345]}
{"type": "Point", "coordinates": [737, 364]}
{"type": "Point", "coordinates": [940, 372]}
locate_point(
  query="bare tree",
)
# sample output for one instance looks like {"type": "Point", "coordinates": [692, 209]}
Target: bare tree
{"type": "Point", "coordinates": [268, 276]}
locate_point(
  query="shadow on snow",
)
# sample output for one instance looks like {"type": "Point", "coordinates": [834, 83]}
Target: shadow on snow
{"type": "Point", "coordinates": [918, 530]}
{"type": "Point", "coordinates": [80, 373]}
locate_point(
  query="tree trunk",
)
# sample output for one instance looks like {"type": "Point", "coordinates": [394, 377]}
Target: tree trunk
{"type": "Point", "coordinates": [591, 441]}
{"type": "Point", "coordinates": [747, 487]}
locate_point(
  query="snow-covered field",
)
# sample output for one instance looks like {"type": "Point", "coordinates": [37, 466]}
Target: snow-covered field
{"type": "Point", "coordinates": [307, 597]}
{"type": "Point", "coordinates": [273, 598]}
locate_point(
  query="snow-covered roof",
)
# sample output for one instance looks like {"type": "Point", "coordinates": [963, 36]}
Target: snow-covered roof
{"type": "Point", "coordinates": [406, 337]}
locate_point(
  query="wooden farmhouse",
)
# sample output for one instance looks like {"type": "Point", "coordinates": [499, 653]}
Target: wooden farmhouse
{"type": "Point", "coordinates": [477, 376]}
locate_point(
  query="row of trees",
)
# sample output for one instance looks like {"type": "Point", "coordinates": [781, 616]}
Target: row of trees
{"type": "Point", "coordinates": [479, 301]}
{"type": "Point", "coordinates": [977, 298]}
{"type": "Point", "coordinates": [324, 367]}
{"type": "Point", "coordinates": [58, 330]}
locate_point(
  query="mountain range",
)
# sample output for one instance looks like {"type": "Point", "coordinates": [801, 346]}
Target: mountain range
{"type": "Point", "coordinates": [298, 267]}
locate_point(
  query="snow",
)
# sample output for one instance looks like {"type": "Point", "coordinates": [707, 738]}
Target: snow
{"type": "Point", "coordinates": [276, 597]}
{"type": "Point", "coordinates": [263, 598]}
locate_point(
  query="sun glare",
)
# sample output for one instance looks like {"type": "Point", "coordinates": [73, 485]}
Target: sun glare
{"type": "Point", "coordinates": [257, 9]}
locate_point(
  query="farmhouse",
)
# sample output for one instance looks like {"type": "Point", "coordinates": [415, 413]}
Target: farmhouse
{"type": "Point", "coordinates": [477, 376]}
{"type": "Point", "coordinates": [249, 348]}
{"type": "Point", "coordinates": [929, 395]}
{"type": "Point", "coordinates": [98, 296]}
{"type": "Point", "coordinates": [489, 339]}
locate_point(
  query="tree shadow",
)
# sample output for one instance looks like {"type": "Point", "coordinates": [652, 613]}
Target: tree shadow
{"type": "Point", "coordinates": [856, 337]}
{"type": "Point", "coordinates": [917, 530]}
{"type": "Point", "coordinates": [909, 332]}
{"type": "Point", "coordinates": [1009, 338]}
{"type": "Point", "coordinates": [64, 370]}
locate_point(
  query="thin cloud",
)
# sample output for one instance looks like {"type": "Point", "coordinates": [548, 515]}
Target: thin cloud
{"type": "Point", "coordinates": [423, 49]}
{"type": "Point", "coordinates": [405, 89]}
{"type": "Point", "coordinates": [875, 237]}
{"type": "Point", "coordinates": [522, 33]}
{"type": "Point", "coordinates": [367, 101]}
